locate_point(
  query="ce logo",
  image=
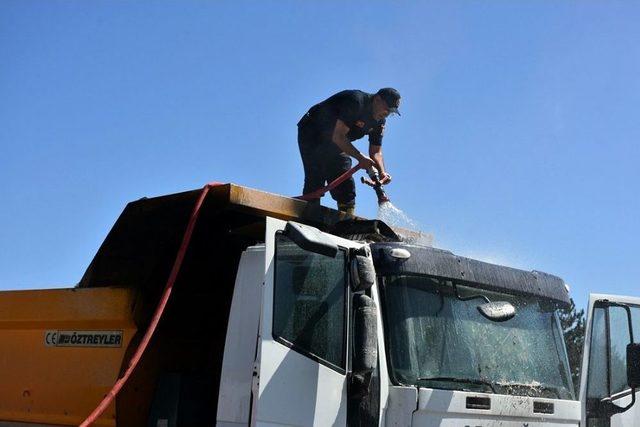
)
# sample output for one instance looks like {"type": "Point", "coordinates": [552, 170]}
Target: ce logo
{"type": "Point", "coordinates": [51, 338]}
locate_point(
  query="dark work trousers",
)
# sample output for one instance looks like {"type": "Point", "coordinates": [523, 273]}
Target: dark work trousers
{"type": "Point", "coordinates": [323, 162]}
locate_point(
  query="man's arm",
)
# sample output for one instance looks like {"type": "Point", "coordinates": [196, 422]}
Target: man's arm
{"type": "Point", "coordinates": [375, 152]}
{"type": "Point", "coordinates": [340, 139]}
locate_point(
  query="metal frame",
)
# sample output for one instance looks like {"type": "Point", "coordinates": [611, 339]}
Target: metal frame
{"type": "Point", "coordinates": [605, 406]}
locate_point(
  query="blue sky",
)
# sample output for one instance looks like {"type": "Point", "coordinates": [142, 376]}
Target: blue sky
{"type": "Point", "coordinates": [518, 141]}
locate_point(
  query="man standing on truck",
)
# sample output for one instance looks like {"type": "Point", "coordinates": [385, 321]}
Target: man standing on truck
{"type": "Point", "coordinates": [325, 134]}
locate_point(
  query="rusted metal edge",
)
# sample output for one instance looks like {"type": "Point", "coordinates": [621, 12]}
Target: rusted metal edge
{"type": "Point", "coordinates": [286, 208]}
{"type": "Point", "coordinates": [262, 203]}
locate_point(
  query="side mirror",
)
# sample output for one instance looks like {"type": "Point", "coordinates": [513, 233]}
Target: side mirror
{"type": "Point", "coordinates": [633, 365]}
{"type": "Point", "coordinates": [365, 344]}
{"type": "Point", "coordinates": [310, 239]}
{"type": "Point", "coordinates": [363, 272]}
{"type": "Point", "coordinates": [499, 311]}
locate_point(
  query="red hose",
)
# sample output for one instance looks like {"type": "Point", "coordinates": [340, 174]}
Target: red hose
{"type": "Point", "coordinates": [156, 315]}
{"type": "Point", "coordinates": [339, 180]}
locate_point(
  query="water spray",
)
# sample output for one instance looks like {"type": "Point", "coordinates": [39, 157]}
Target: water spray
{"type": "Point", "coordinates": [374, 182]}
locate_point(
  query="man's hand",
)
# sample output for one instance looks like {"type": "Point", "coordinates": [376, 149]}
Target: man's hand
{"type": "Point", "coordinates": [375, 151]}
{"type": "Point", "coordinates": [385, 178]}
{"type": "Point", "coordinates": [366, 162]}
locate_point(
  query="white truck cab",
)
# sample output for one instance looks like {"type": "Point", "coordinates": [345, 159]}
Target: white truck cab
{"type": "Point", "coordinates": [610, 367]}
{"type": "Point", "coordinates": [329, 331]}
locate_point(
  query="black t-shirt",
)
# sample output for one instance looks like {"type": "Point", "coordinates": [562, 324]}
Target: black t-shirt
{"type": "Point", "coordinates": [354, 108]}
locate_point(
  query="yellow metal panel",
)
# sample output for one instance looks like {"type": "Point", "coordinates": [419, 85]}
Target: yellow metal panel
{"type": "Point", "coordinates": [60, 385]}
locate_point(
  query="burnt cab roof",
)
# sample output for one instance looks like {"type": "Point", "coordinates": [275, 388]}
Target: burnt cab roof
{"type": "Point", "coordinates": [440, 263]}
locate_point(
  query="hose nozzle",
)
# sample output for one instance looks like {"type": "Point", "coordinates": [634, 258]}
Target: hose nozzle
{"type": "Point", "coordinates": [374, 182]}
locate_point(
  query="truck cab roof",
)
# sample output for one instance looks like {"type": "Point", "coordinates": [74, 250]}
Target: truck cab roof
{"type": "Point", "coordinates": [428, 261]}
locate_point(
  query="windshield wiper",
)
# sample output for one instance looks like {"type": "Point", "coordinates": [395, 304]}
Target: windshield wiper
{"type": "Point", "coordinates": [532, 387]}
{"type": "Point", "coordinates": [477, 381]}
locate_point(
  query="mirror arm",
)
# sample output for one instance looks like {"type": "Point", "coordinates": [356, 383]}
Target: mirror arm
{"type": "Point", "coordinates": [607, 304]}
{"type": "Point", "coordinates": [613, 409]}
{"type": "Point", "coordinates": [310, 239]}
{"type": "Point", "coordinates": [461, 298]}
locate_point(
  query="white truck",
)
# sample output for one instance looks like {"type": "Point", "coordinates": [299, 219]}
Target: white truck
{"type": "Point", "coordinates": [276, 323]}
{"type": "Point", "coordinates": [458, 342]}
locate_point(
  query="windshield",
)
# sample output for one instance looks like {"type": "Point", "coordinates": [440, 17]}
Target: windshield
{"type": "Point", "coordinates": [438, 341]}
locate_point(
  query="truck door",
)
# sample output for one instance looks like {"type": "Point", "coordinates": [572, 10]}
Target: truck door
{"type": "Point", "coordinates": [613, 323]}
{"type": "Point", "coordinates": [302, 380]}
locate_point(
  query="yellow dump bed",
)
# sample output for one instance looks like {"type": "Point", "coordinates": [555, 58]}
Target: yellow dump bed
{"type": "Point", "coordinates": [60, 351]}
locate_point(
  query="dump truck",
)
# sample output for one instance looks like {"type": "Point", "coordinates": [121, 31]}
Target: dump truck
{"type": "Point", "coordinates": [285, 313]}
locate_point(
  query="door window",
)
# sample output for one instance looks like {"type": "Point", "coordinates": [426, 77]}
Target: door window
{"type": "Point", "coordinates": [610, 335]}
{"type": "Point", "coordinates": [597, 387]}
{"type": "Point", "coordinates": [620, 337]}
{"type": "Point", "coordinates": [309, 302]}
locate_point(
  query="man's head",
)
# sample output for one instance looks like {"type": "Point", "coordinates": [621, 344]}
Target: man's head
{"type": "Point", "coordinates": [386, 101]}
